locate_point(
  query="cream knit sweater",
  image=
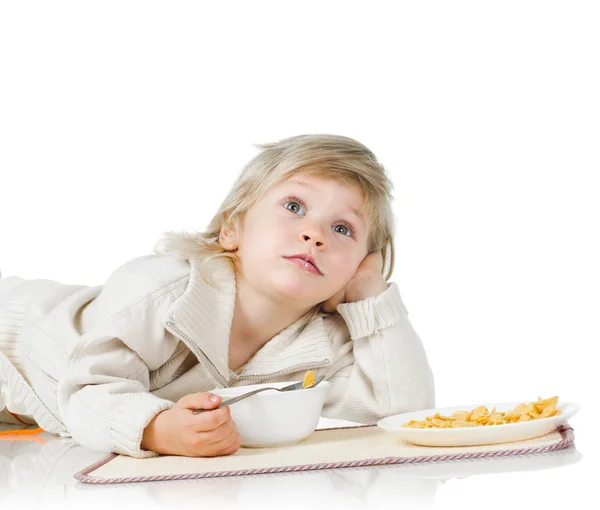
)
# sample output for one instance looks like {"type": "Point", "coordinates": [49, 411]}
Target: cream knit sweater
{"type": "Point", "coordinates": [98, 363]}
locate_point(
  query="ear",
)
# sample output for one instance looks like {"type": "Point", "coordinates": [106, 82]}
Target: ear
{"type": "Point", "coordinates": [228, 238]}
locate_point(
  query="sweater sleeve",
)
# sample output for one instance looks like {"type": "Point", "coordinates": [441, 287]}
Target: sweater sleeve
{"type": "Point", "coordinates": [386, 372]}
{"type": "Point", "coordinates": [104, 397]}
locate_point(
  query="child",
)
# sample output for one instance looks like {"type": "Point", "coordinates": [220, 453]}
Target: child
{"type": "Point", "coordinates": [288, 277]}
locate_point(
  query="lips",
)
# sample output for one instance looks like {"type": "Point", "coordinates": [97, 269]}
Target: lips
{"type": "Point", "coordinates": [301, 260]}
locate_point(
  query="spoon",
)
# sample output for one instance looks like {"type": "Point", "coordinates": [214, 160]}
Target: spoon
{"type": "Point", "coordinates": [291, 387]}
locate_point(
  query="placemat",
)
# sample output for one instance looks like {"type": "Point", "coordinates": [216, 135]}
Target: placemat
{"type": "Point", "coordinates": [365, 445]}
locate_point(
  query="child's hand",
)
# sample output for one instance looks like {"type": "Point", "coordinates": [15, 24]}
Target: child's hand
{"type": "Point", "coordinates": [366, 282]}
{"type": "Point", "coordinates": [177, 431]}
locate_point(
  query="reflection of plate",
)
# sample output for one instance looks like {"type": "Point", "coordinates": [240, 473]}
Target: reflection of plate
{"type": "Point", "coordinates": [463, 468]}
{"type": "Point", "coordinates": [472, 436]}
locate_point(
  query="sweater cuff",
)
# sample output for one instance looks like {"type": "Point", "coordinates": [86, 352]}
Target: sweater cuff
{"type": "Point", "coordinates": [365, 317]}
{"type": "Point", "coordinates": [129, 421]}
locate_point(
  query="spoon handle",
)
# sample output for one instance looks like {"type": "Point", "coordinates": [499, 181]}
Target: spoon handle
{"type": "Point", "coordinates": [250, 393]}
{"type": "Point", "coordinates": [234, 400]}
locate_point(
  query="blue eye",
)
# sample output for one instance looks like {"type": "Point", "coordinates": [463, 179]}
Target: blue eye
{"type": "Point", "coordinates": [300, 204]}
{"type": "Point", "coordinates": [347, 229]}
{"type": "Point", "coordinates": [292, 202]}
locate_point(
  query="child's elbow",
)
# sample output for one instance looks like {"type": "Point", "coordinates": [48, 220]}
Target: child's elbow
{"type": "Point", "coordinates": [418, 397]}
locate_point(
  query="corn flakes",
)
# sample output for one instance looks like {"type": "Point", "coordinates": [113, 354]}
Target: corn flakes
{"type": "Point", "coordinates": [309, 379]}
{"type": "Point", "coordinates": [481, 416]}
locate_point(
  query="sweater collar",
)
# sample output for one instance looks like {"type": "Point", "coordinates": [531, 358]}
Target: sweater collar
{"type": "Point", "coordinates": [204, 315]}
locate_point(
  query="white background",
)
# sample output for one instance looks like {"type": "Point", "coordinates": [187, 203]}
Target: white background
{"type": "Point", "coordinates": [121, 120]}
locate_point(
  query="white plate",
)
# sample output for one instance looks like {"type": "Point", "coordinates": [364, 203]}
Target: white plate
{"type": "Point", "coordinates": [473, 436]}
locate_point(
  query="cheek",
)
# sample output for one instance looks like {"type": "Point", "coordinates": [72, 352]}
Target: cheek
{"type": "Point", "coordinates": [344, 266]}
{"type": "Point", "coordinates": [266, 237]}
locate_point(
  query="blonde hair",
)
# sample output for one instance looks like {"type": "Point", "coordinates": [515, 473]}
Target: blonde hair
{"type": "Point", "coordinates": [327, 156]}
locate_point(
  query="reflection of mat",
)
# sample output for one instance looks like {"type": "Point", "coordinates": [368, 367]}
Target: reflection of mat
{"type": "Point", "coordinates": [365, 445]}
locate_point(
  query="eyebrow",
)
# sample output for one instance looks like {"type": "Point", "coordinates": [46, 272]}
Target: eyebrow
{"type": "Point", "coordinates": [356, 212]}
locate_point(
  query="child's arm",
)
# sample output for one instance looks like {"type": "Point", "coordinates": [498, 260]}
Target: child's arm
{"type": "Point", "coordinates": [106, 404]}
{"type": "Point", "coordinates": [104, 395]}
{"type": "Point", "coordinates": [386, 371]}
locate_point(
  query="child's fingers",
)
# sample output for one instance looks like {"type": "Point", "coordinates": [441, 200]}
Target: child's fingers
{"type": "Point", "coordinates": [212, 420]}
{"type": "Point", "coordinates": [221, 432]}
{"type": "Point", "coordinates": [225, 445]}
{"type": "Point", "coordinates": [203, 400]}
{"type": "Point", "coordinates": [232, 448]}
{"type": "Point", "coordinates": [210, 437]}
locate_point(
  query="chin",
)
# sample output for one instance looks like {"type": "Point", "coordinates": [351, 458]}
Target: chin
{"type": "Point", "coordinates": [291, 286]}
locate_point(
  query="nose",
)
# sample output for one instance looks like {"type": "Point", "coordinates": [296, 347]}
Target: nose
{"type": "Point", "coordinates": [312, 236]}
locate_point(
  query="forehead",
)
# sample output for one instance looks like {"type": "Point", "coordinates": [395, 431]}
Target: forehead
{"type": "Point", "coordinates": [354, 196]}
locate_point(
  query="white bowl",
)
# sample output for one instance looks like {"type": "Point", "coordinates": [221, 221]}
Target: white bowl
{"type": "Point", "coordinates": [275, 418]}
